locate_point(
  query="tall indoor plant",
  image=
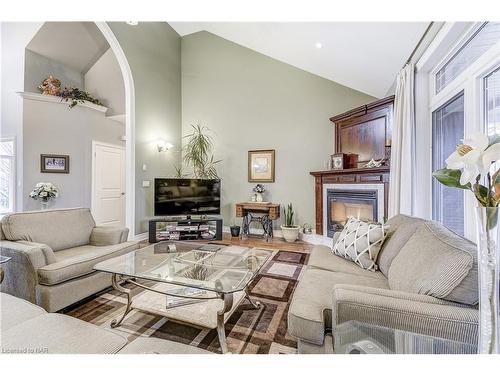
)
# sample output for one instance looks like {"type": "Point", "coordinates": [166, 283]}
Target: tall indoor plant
{"type": "Point", "coordinates": [198, 153]}
{"type": "Point", "coordinates": [471, 167]}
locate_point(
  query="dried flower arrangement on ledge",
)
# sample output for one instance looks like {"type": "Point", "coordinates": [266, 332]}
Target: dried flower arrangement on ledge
{"type": "Point", "coordinates": [52, 86]}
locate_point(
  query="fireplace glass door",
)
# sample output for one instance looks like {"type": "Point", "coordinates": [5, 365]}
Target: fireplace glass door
{"type": "Point", "coordinates": [342, 204]}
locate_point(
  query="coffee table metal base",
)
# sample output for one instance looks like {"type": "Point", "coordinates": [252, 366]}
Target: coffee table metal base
{"type": "Point", "coordinates": [184, 314]}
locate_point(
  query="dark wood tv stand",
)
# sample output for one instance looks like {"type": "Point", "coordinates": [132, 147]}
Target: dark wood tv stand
{"type": "Point", "coordinates": [182, 228]}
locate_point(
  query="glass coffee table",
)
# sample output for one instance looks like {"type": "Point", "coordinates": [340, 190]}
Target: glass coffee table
{"type": "Point", "coordinates": [197, 284]}
{"type": "Point", "coordinates": [354, 337]}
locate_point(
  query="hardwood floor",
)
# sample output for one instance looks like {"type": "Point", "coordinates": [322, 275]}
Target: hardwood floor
{"type": "Point", "coordinates": [274, 243]}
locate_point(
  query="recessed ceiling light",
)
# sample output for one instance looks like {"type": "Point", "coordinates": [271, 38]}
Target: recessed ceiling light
{"type": "Point", "coordinates": [132, 23]}
{"type": "Point", "coordinates": [318, 45]}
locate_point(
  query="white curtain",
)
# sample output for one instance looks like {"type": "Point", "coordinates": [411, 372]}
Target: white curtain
{"type": "Point", "coordinates": [402, 176]}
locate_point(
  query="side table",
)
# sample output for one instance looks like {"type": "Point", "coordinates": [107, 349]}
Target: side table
{"type": "Point", "coordinates": [3, 259]}
{"type": "Point", "coordinates": [263, 213]}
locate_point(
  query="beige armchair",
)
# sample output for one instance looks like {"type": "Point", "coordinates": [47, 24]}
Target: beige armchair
{"type": "Point", "coordinates": [53, 254]}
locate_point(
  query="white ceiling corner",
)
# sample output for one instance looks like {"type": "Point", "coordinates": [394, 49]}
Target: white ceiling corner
{"type": "Point", "coordinates": [365, 56]}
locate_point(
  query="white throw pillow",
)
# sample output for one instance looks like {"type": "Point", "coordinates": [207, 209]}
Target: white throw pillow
{"type": "Point", "coordinates": [360, 242]}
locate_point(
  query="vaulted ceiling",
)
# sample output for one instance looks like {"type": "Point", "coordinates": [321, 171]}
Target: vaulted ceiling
{"type": "Point", "coordinates": [365, 56]}
{"type": "Point", "coordinates": [77, 45]}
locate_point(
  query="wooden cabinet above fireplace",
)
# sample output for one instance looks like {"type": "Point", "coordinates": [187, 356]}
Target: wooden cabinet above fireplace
{"type": "Point", "coordinates": [365, 130]}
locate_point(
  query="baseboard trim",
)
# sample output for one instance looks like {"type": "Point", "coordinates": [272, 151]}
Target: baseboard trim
{"type": "Point", "coordinates": [141, 236]}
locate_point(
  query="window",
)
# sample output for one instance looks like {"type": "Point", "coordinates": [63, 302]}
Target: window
{"type": "Point", "coordinates": [447, 132]}
{"type": "Point", "coordinates": [492, 107]}
{"type": "Point", "coordinates": [480, 42]}
{"type": "Point", "coordinates": [492, 102]}
{"type": "Point", "coordinates": [7, 168]}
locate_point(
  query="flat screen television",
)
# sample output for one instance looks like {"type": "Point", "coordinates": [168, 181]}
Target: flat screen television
{"type": "Point", "coordinates": [186, 196]}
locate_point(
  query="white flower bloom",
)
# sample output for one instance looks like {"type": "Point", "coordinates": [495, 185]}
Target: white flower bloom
{"type": "Point", "coordinates": [473, 157]}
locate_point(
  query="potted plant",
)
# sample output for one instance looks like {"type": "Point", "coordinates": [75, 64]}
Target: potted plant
{"type": "Point", "coordinates": [198, 153]}
{"type": "Point", "coordinates": [235, 230]}
{"type": "Point", "coordinates": [290, 231]}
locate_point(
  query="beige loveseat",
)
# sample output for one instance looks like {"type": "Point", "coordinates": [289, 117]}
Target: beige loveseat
{"type": "Point", "coordinates": [426, 283]}
{"type": "Point", "coordinates": [53, 254]}
{"type": "Point", "coordinates": [28, 329]}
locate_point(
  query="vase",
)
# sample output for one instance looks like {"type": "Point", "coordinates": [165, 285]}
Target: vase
{"type": "Point", "coordinates": [488, 236]}
{"type": "Point", "coordinates": [44, 205]}
{"type": "Point", "coordinates": [259, 197]}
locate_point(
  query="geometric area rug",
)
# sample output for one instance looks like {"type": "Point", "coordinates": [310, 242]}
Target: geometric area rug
{"type": "Point", "coordinates": [248, 331]}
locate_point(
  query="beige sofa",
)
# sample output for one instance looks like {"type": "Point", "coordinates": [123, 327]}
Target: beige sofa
{"type": "Point", "coordinates": [28, 329]}
{"type": "Point", "coordinates": [426, 283]}
{"type": "Point", "coordinates": [53, 254]}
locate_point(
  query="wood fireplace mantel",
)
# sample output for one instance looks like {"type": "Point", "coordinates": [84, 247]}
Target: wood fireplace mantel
{"type": "Point", "coordinates": [378, 175]}
{"type": "Point", "coordinates": [367, 132]}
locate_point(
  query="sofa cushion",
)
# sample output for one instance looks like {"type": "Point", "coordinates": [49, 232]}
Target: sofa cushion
{"type": "Point", "coordinates": [436, 262]}
{"type": "Point", "coordinates": [59, 229]}
{"type": "Point", "coordinates": [107, 235]}
{"type": "Point", "coordinates": [15, 311]}
{"type": "Point", "coordinates": [60, 334]}
{"type": "Point", "coordinates": [401, 228]}
{"type": "Point", "coordinates": [79, 261]}
{"type": "Point", "coordinates": [153, 345]}
{"type": "Point", "coordinates": [360, 242]}
{"type": "Point", "coordinates": [311, 307]}
{"type": "Point", "coordinates": [321, 257]}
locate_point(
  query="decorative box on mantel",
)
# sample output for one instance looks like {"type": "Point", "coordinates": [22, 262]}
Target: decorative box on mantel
{"type": "Point", "coordinates": [365, 131]}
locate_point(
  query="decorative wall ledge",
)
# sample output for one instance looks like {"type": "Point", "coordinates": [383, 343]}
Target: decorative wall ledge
{"type": "Point", "coordinates": [57, 99]}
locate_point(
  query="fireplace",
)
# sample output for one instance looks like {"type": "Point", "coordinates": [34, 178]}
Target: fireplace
{"type": "Point", "coordinates": [341, 204]}
{"type": "Point", "coordinates": [364, 201]}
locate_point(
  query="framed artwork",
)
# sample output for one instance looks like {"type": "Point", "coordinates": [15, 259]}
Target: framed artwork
{"type": "Point", "coordinates": [261, 166]}
{"type": "Point", "coordinates": [54, 163]}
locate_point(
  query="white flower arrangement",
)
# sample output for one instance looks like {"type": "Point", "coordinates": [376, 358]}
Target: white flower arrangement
{"type": "Point", "coordinates": [471, 162]}
{"type": "Point", "coordinates": [44, 191]}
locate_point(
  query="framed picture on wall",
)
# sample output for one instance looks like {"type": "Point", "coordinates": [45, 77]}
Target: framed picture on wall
{"type": "Point", "coordinates": [54, 163]}
{"type": "Point", "coordinates": [261, 166]}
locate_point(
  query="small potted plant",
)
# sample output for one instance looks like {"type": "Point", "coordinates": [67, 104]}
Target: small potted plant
{"type": "Point", "coordinates": [290, 231]}
{"type": "Point", "coordinates": [259, 189]}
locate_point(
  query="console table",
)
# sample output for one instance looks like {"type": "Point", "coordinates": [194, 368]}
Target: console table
{"type": "Point", "coordinates": [263, 213]}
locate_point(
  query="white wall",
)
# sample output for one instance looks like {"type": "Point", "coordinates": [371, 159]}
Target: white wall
{"type": "Point", "coordinates": [153, 51]}
{"type": "Point", "coordinates": [53, 128]}
{"type": "Point", "coordinates": [38, 67]}
{"type": "Point", "coordinates": [104, 81]}
{"type": "Point", "coordinates": [14, 38]}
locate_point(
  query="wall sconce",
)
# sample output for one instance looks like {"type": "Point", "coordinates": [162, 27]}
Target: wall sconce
{"type": "Point", "coordinates": [163, 146]}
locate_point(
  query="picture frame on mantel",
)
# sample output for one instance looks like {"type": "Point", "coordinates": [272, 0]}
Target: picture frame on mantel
{"type": "Point", "coordinates": [261, 166]}
{"type": "Point", "coordinates": [54, 163]}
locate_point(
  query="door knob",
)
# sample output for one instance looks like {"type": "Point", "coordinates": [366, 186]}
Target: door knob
{"type": "Point", "coordinates": [122, 193]}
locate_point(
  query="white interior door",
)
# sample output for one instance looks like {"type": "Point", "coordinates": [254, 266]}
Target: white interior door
{"type": "Point", "coordinates": [108, 184]}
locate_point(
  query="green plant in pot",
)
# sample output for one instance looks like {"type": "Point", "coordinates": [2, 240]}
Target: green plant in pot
{"type": "Point", "coordinates": [198, 153]}
{"type": "Point", "coordinates": [289, 230]}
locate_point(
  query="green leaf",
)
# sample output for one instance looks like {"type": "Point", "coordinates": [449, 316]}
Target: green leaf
{"type": "Point", "coordinates": [450, 177]}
